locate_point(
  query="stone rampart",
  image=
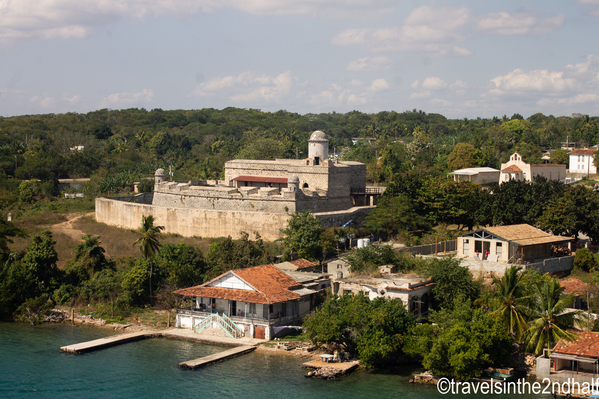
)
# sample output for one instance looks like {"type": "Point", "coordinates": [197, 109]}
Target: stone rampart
{"type": "Point", "coordinates": [190, 222]}
{"type": "Point", "coordinates": [246, 199]}
{"type": "Point", "coordinates": [210, 223]}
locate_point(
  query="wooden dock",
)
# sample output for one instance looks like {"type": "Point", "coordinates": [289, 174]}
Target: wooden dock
{"type": "Point", "coordinates": [107, 342]}
{"type": "Point", "coordinates": [217, 357]}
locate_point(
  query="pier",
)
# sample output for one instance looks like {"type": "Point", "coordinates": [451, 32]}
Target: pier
{"type": "Point", "coordinates": [107, 342]}
{"type": "Point", "coordinates": [217, 357]}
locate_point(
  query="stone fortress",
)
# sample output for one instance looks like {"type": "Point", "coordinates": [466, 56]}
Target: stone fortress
{"type": "Point", "coordinates": [255, 196]}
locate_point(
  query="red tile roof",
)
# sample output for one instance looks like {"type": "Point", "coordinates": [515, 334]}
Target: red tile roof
{"type": "Point", "coordinates": [512, 169]}
{"type": "Point", "coordinates": [272, 286]}
{"type": "Point", "coordinates": [572, 285]}
{"type": "Point", "coordinates": [587, 344]}
{"type": "Point", "coordinates": [303, 263]}
{"type": "Point", "coordinates": [262, 179]}
{"type": "Point", "coordinates": [582, 151]}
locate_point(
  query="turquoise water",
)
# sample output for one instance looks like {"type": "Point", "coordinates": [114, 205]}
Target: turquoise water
{"type": "Point", "coordinates": [31, 366]}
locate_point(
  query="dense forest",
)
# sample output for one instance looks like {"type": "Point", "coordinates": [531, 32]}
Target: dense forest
{"type": "Point", "coordinates": [117, 147]}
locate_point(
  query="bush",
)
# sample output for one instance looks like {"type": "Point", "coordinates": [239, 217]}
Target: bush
{"type": "Point", "coordinates": [584, 260]}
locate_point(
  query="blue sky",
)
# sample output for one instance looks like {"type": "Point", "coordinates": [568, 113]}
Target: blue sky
{"type": "Point", "coordinates": [460, 59]}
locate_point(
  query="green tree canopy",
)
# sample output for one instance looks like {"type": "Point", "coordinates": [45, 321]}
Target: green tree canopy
{"type": "Point", "coordinates": [302, 235]}
{"type": "Point", "coordinates": [463, 156]}
{"type": "Point", "coordinates": [373, 329]}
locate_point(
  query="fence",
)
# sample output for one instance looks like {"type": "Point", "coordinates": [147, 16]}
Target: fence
{"type": "Point", "coordinates": [442, 246]}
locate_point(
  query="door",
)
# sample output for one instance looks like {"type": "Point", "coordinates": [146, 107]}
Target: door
{"type": "Point", "coordinates": [259, 332]}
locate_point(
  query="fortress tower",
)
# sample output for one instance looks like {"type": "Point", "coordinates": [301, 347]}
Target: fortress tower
{"type": "Point", "coordinates": [318, 147]}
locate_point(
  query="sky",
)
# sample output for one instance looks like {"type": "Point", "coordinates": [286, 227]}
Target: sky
{"type": "Point", "coordinates": [461, 59]}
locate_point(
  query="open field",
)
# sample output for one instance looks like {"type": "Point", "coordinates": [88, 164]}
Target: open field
{"type": "Point", "coordinates": [67, 230]}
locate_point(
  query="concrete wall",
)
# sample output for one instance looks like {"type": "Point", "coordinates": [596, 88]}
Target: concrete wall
{"type": "Point", "coordinates": [485, 268]}
{"type": "Point", "coordinates": [553, 265]}
{"type": "Point", "coordinates": [543, 366]}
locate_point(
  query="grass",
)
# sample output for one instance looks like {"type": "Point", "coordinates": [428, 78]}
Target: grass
{"type": "Point", "coordinates": [117, 242]}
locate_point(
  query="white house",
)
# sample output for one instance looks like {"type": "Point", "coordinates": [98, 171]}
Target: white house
{"type": "Point", "coordinates": [414, 291]}
{"type": "Point", "coordinates": [581, 161]}
{"type": "Point", "coordinates": [517, 169]}
{"type": "Point", "coordinates": [476, 175]}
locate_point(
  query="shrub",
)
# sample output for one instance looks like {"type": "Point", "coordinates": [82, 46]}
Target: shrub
{"type": "Point", "coordinates": [584, 260]}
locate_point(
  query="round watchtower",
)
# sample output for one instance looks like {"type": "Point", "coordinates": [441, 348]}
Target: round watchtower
{"type": "Point", "coordinates": [159, 176]}
{"type": "Point", "coordinates": [293, 182]}
{"type": "Point", "coordinates": [318, 147]}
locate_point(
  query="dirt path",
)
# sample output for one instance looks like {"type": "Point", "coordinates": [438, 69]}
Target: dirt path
{"type": "Point", "coordinates": [67, 228]}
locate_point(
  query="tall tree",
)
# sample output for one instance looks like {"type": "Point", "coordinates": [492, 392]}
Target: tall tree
{"type": "Point", "coordinates": [508, 301]}
{"type": "Point", "coordinates": [302, 236]}
{"type": "Point", "coordinates": [551, 321]}
{"type": "Point", "coordinates": [462, 156]}
{"type": "Point", "coordinates": [148, 242]}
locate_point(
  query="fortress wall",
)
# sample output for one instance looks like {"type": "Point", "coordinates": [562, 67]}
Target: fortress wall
{"type": "Point", "coordinates": [247, 199]}
{"type": "Point", "coordinates": [211, 224]}
{"type": "Point", "coordinates": [237, 202]}
{"type": "Point", "coordinates": [191, 222]}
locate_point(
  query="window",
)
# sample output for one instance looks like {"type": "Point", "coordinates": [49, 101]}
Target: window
{"type": "Point", "coordinates": [466, 247]}
{"type": "Point", "coordinates": [499, 249]}
{"type": "Point", "coordinates": [252, 308]}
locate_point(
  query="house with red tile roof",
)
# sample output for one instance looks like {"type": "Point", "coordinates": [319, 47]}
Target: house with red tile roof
{"type": "Point", "coordinates": [579, 356]}
{"type": "Point", "coordinates": [579, 289]}
{"type": "Point", "coordinates": [517, 169]}
{"type": "Point", "coordinates": [581, 161]}
{"type": "Point", "coordinates": [250, 302]}
{"type": "Point", "coordinates": [299, 265]}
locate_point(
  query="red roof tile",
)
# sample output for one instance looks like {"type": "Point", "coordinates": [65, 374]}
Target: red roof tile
{"type": "Point", "coordinates": [303, 263]}
{"type": "Point", "coordinates": [512, 169]}
{"type": "Point", "coordinates": [582, 151]}
{"type": "Point", "coordinates": [262, 179]}
{"type": "Point", "coordinates": [272, 286]}
{"type": "Point", "coordinates": [587, 344]}
{"type": "Point", "coordinates": [572, 285]}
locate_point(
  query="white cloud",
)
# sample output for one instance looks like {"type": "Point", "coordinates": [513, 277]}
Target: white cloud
{"type": "Point", "coordinates": [458, 84]}
{"type": "Point", "coordinates": [124, 99]}
{"type": "Point", "coordinates": [526, 21]}
{"type": "Point", "coordinates": [379, 85]}
{"type": "Point", "coordinates": [426, 30]}
{"type": "Point", "coordinates": [248, 87]}
{"type": "Point", "coordinates": [441, 102]}
{"type": "Point", "coordinates": [47, 19]}
{"type": "Point", "coordinates": [415, 84]}
{"type": "Point", "coordinates": [422, 94]}
{"type": "Point", "coordinates": [328, 8]}
{"type": "Point", "coordinates": [439, 31]}
{"type": "Point", "coordinates": [594, 12]}
{"type": "Point", "coordinates": [71, 100]}
{"type": "Point", "coordinates": [43, 101]}
{"type": "Point", "coordinates": [433, 83]}
{"type": "Point", "coordinates": [575, 84]}
{"type": "Point", "coordinates": [370, 64]}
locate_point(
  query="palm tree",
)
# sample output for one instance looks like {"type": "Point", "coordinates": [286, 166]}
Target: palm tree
{"type": "Point", "coordinates": [509, 301]}
{"type": "Point", "coordinates": [148, 242]}
{"type": "Point", "coordinates": [551, 320]}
